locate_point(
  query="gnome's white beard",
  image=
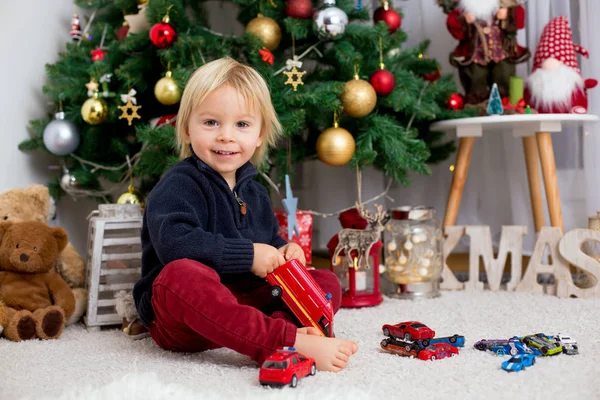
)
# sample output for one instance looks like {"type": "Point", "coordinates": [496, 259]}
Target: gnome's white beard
{"type": "Point", "coordinates": [481, 9]}
{"type": "Point", "coordinates": [555, 87]}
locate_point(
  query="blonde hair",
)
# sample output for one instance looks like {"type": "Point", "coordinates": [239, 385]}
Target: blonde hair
{"type": "Point", "coordinates": [247, 82]}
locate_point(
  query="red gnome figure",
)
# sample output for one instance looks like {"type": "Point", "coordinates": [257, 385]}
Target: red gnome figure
{"type": "Point", "coordinates": [487, 51]}
{"type": "Point", "coordinates": [555, 84]}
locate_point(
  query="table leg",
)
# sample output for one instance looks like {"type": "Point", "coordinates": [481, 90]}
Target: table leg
{"type": "Point", "coordinates": [463, 158]}
{"type": "Point", "coordinates": [535, 183]}
{"type": "Point", "coordinates": [544, 141]}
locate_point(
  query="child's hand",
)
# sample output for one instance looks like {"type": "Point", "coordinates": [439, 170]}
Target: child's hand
{"type": "Point", "coordinates": [502, 13]}
{"type": "Point", "coordinates": [469, 18]}
{"type": "Point", "coordinates": [266, 259]}
{"type": "Point", "coordinates": [292, 250]}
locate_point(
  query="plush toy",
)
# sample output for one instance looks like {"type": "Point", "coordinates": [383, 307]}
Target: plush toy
{"type": "Point", "coordinates": [555, 84]}
{"type": "Point", "coordinates": [487, 51]}
{"type": "Point", "coordinates": [37, 299]}
{"type": "Point", "coordinates": [132, 325]}
{"type": "Point", "coordinates": [35, 204]}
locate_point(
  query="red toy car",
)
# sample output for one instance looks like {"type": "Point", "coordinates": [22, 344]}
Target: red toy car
{"type": "Point", "coordinates": [285, 367]}
{"type": "Point", "coordinates": [303, 296]}
{"type": "Point", "coordinates": [409, 331]}
{"type": "Point", "coordinates": [437, 351]}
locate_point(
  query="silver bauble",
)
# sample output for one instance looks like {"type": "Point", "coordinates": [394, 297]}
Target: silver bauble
{"type": "Point", "coordinates": [61, 136]}
{"type": "Point", "coordinates": [68, 182]}
{"type": "Point", "coordinates": [329, 21]}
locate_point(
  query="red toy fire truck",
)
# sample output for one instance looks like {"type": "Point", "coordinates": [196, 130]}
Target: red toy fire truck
{"type": "Point", "coordinates": [303, 296]}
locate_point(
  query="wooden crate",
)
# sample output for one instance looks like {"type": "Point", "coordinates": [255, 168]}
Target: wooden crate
{"type": "Point", "coordinates": [114, 260]}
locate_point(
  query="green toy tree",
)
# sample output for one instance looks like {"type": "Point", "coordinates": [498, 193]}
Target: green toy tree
{"type": "Point", "coordinates": [109, 67]}
{"type": "Point", "coordinates": [495, 103]}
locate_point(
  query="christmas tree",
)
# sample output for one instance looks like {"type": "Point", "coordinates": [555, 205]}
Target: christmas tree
{"type": "Point", "coordinates": [322, 69]}
{"type": "Point", "coordinates": [495, 102]}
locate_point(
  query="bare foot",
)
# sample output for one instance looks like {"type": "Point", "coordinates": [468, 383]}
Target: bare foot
{"type": "Point", "coordinates": [330, 354]}
{"type": "Point", "coordinates": [309, 330]}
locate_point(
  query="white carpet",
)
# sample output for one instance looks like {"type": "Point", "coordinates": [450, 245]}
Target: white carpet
{"type": "Point", "coordinates": [107, 365]}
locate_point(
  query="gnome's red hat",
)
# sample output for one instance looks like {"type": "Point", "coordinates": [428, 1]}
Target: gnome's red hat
{"type": "Point", "coordinates": [557, 41]}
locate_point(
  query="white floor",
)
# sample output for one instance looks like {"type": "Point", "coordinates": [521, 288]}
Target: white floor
{"type": "Point", "coordinates": [107, 365]}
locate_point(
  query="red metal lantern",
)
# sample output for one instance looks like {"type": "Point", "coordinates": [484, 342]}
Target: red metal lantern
{"type": "Point", "coordinates": [360, 286]}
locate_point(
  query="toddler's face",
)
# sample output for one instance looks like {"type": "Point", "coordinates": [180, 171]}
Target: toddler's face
{"type": "Point", "coordinates": [225, 132]}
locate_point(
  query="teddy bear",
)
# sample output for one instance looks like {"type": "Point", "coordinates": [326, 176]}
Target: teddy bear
{"type": "Point", "coordinates": [37, 300]}
{"type": "Point", "coordinates": [35, 204]}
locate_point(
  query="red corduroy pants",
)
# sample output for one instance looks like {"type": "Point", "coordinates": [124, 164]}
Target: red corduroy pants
{"type": "Point", "coordinates": [196, 310]}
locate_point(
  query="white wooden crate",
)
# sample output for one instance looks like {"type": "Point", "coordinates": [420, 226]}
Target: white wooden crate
{"type": "Point", "coordinates": [114, 260]}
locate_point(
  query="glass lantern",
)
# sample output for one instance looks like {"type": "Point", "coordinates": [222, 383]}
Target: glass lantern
{"type": "Point", "coordinates": [413, 252]}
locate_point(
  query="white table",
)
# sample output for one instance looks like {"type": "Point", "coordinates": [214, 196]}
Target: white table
{"type": "Point", "coordinates": [535, 130]}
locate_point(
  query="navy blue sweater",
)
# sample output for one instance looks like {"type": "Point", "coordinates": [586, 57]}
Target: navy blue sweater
{"type": "Point", "coordinates": [192, 213]}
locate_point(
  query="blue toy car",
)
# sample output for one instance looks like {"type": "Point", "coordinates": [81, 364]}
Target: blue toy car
{"type": "Point", "coordinates": [518, 362]}
{"type": "Point", "coordinates": [455, 340]}
{"type": "Point", "coordinates": [503, 347]}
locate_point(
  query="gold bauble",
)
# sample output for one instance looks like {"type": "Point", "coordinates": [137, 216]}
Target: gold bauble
{"type": "Point", "coordinates": [358, 98]}
{"type": "Point", "coordinates": [128, 198]}
{"type": "Point", "coordinates": [142, 1]}
{"type": "Point", "coordinates": [94, 110]}
{"type": "Point", "coordinates": [267, 29]}
{"type": "Point", "coordinates": [166, 90]}
{"type": "Point", "coordinates": [335, 146]}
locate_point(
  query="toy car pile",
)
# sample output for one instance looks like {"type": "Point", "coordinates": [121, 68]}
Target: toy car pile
{"type": "Point", "coordinates": [415, 340]}
{"type": "Point", "coordinates": [523, 349]}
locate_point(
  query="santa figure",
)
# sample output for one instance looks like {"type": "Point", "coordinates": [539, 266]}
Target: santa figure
{"type": "Point", "coordinates": [555, 84]}
{"type": "Point", "coordinates": [487, 52]}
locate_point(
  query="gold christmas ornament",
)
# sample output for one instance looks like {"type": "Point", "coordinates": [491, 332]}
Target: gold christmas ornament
{"type": "Point", "coordinates": [358, 98]}
{"type": "Point", "coordinates": [129, 115]}
{"type": "Point", "coordinates": [142, 1]}
{"type": "Point", "coordinates": [129, 197]}
{"type": "Point", "coordinates": [166, 90]}
{"type": "Point", "coordinates": [294, 77]}
{"type": "Point", "coordinates": [335, 146]}
{"type": "Point", "coordinates": [267, 29]}
{"type": "Point", "coordinates": [94, 110]}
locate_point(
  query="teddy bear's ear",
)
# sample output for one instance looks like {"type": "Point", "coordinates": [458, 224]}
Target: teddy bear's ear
{"type": "Point", "coordinates": [61, 238]}
{"type": "Point", "coordinates": [4, 226]}
{"type": "Point", "coordinates": [40, 195]}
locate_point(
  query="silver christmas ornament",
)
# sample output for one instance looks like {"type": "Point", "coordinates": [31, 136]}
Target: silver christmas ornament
{"type": "Point", "coordinates": [330, 21]}
{"type": "Point", "coordinates": [61, 136]}
{"type": "Point", "coordinates": [68, 182]}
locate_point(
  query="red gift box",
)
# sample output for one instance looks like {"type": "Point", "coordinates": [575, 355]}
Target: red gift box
{"type": "Point", "coordinates": [305, 224]}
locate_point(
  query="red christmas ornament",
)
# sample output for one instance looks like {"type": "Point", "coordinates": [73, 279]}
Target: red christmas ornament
{"type": "Point", "coordinates": [434, 76]}
{"type": "Point", "coordinates": [301, 9]}
{"type": "Point", "coordinates": [383, 82]}
{"type": "Point", "coordinates": [122, 32]}
{"type": "Point", "coordinates": [267, 56]}
{"type": "Point", "coordinates": [456, 102]}
{"type": "Point", "coordinates": [167, 119]}
{"type": "Point", "coordinates": [163, 34]}
{"type": "Point", "coordinates": [98, 54]}
{"type": "Point", "coordinates": [388, 15]}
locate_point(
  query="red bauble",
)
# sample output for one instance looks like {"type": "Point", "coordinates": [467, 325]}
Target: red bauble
{"type": "Point", "coordinates": [383, 82]}
{"type": "Point", "coordinates": [389, 16]}
{"type": "Point", "coordinates": [163, 35]}
{"type": "Point", "coordinates": [302, 9]}
{"type": "Point", "coordinates": [122, 32]}
{"type": "Point", "coordinates": [434, 76]}
{"type": "Point", "coordinates": [167, 119]}
{"type": "Point", "coordinates": [456, 102]}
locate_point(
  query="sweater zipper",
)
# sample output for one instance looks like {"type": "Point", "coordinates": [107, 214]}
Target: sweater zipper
{"type": "Point", "coordinates": [241, 203]}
